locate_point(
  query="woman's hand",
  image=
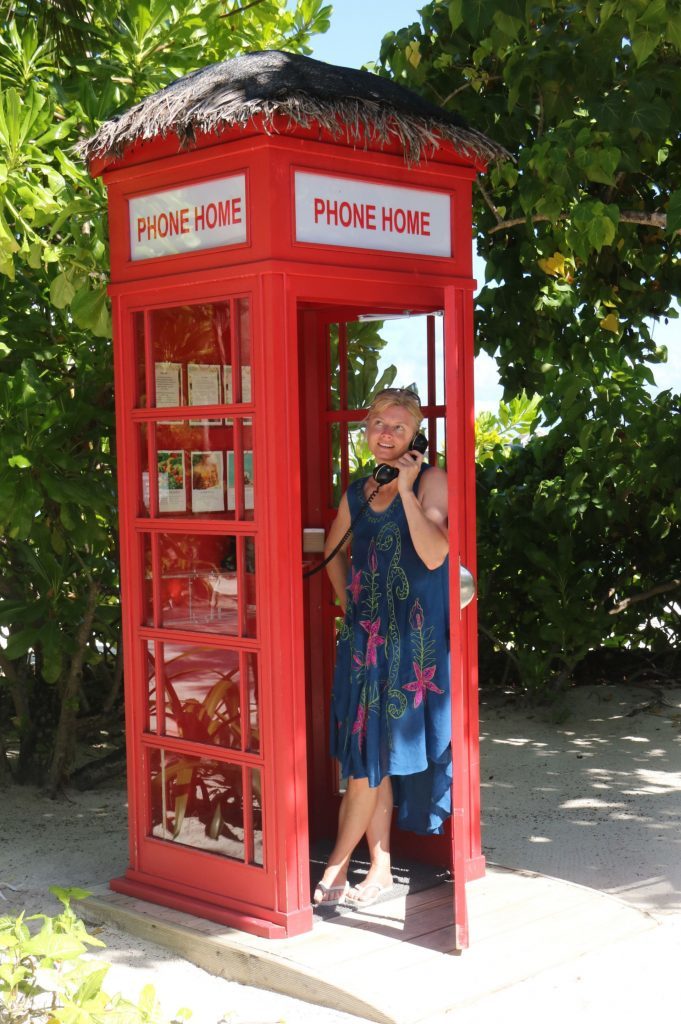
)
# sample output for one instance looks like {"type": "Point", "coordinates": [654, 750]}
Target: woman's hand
{"type": "Point", "coordinates": [409, 466]}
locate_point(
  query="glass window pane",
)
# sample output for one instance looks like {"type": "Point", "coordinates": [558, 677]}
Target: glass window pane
{"type": "Point", "coordinates": [336, 483]}
{"type": "Point", "coordinates": [360, 460]}
{"type": "Point", "coordinates": [439, 360]}
{"type": "Point", "coordinates": [255, 787]}
{"type": "Point", "coordinates": [241, 473]}
{"type": "Point", "coordinates": [138, 336]}
{"type": "Point", "coordinates": [197, 802]}
{"type": "Point", "coordinates": [150, 655]}
{"type": "Point", "coordinates": [199, 581]}
{"type": "Point", "coordinates": [334, 368]}
{"type": "Point", "coordinates": [201, 469]}
{"type": "Point", "coordinates": [439, 437]}
{"type": "Point", "coordinates": [250, 621]}
{"type": "Point", "coordinates": [253, 718]}
{"type": "Point", "coordinates": [202, 694]}
{"type": "Point", "coordinates": [190, 349]}
{"type": "Point", "coordinates": [243, 319]}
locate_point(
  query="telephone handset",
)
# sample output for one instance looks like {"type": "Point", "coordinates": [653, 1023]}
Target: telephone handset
{"type": "Point", "coordinates": [383, 473]}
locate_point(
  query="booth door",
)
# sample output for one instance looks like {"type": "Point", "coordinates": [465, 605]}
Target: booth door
{"type": "Point", "coordinates": [192, 600]}
{"type": "Point", "coordinates": [336, 388]}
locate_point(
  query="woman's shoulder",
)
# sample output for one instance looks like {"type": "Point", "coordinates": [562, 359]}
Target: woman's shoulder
{"type": "Point", "coordinates": [356, 490]}
{"type": "Point", "coordinates": [431, 476]}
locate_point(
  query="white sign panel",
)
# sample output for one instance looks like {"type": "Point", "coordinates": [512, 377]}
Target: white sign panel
{"type": "Point", "coordinates": [185, 220]}
{"type": "Point", "coordinates": [366, 215]}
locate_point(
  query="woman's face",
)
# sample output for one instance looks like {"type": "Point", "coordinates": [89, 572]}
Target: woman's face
{"type": "Point", "coordinates": [389, 433]}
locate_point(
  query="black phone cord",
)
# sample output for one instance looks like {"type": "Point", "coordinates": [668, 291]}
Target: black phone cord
{"type": "Point", "coordinates": [345, 536]}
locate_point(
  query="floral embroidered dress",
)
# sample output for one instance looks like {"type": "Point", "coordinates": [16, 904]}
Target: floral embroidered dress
{"type": "Point", "coordinates": [390, 709]}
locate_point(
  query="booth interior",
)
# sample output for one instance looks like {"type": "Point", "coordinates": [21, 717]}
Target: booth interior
{"type": "Point", "coordinates": [346, 354]}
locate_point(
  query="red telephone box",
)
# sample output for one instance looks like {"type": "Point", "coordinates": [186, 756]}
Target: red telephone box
{"type": "Point", "coordinates": [231, 257]}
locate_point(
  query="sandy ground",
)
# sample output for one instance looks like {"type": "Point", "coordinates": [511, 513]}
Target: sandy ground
{"type": "Point", "coordinates": [589, 791]}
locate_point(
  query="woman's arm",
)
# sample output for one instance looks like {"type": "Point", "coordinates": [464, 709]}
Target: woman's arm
{"type": "Point", "coordinates": [337, 568]}
{"type": "Point", "coordinates": [427, 513]}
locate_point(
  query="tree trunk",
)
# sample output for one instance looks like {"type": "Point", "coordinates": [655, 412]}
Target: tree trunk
{"type": "Point", "coordinates": [65, 735]}
{"type": "Point", "coordinates": [115, 690]}
{"type": "Point", "coordinates": [18, 686]}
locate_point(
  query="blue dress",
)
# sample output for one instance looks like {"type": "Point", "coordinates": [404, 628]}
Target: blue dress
{"type": "Point", "coordinates": [390, 707]}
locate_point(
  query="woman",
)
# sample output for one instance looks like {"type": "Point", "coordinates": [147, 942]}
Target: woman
{"type": "Point", "coordinates": [390, 717]}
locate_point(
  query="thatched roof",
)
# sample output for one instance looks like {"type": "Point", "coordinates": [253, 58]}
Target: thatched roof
{"type": "Point", "coordinates": [346, 102]}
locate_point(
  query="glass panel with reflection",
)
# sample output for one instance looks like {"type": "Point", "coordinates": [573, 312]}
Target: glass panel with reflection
{"type": "Point", "coordinates": [197, 802]}
{"type": "Point", "coordinates": [206, 583]}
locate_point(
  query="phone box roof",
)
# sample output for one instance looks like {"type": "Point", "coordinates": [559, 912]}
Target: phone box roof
{"type": "Point", "coordinates": [283, 92]}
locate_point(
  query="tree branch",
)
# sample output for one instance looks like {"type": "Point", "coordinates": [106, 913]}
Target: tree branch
{"type": "Point", "coordinates": [649, 220]}
{"type": "Point", "coordinates": [489, 202]}
{"type": "Point", "coordinates": [500, 643]}
{"type": "Point", "coordinates": [661, 588]}
{"type": "Point", "coordinates": [455, 92]}
{"type": "Point", "coordinates": [240, 10]}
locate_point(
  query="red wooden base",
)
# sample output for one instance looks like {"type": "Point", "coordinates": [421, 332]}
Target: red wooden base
{"type": "Point", "coordinates": [475, 868]}
{"type": "Point", "coordinates": [291, 924]}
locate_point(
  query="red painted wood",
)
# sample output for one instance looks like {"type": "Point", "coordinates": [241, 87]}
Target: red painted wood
{"type": "Point", "coordinates": [454, 386]}
{"type": "Point", "coordinates": [295, 291]}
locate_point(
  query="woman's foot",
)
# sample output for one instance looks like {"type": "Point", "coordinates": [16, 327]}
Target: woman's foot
{"type": "Point", "coordinates": [376, 884]}
{"type": "Point", "coordinates": [329, 895]}
{"type": "Point", "coordinates": [330, 891]}
{"type": "Point", "coordinates": [368, 893]}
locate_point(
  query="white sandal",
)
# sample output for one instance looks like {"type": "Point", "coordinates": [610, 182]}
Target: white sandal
{"type": "Point", "coordinates": [329, 900]}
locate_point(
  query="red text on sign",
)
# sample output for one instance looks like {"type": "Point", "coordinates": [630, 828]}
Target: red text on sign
{"type": "Point", "coordinates": [410, 222]}
{"type": "Point", "coordinates": [206, 217]}
{"type": "Point", "coordinates": [393, 220]}
{"type": "Point", "coordinates": [163, 225]}
{"type": "Point", "coordinates": [217, 215]}
{"type": "Point", "coordinates": [344, 214]}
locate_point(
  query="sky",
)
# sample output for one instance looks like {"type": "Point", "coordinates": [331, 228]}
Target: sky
{"type": "Point", "coordinates": [354, 38]}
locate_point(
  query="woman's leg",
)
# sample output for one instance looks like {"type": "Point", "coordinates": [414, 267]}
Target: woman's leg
{"type": "Point", "coordinates": [356, 812]}
{"type": "Point", "coordinates": [378, 839]}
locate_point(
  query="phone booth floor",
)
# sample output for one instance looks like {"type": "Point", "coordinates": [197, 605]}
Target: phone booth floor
{"type": "Point", "coordinates": [258, 209]}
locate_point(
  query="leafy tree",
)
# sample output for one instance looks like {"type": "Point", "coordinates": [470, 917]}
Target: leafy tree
{"type": "Point", "coordinates": [65, 66]}
{"type": "Point", "coordinates": [580, 536]}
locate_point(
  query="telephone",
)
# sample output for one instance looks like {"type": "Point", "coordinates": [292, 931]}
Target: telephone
{"type": "Point", "coordinates": [383, 473]}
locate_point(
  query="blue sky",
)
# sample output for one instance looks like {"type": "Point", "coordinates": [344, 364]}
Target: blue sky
{"type": "Point", "coordinates": [357, 27]}
{"type": "Point", "coordinates": [354, 38]}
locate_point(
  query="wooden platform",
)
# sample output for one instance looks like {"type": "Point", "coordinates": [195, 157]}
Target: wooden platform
{"type": "Point", "coordinates": [394, 962]}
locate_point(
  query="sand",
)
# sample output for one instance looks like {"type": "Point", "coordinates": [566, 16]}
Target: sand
{"type": "Point", "coordinates": [588, 791]}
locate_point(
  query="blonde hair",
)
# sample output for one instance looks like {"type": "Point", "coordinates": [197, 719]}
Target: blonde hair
{"type": "Point", "coordinates": [406, 400]}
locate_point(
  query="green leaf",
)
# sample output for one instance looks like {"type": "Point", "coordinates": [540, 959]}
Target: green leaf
{"type": "Point", "coordinates": [477, 15]}
{"type": "Point", "coordinates": [90, 310]}
{"type": "Point", "coordinates": [91, 987]}
{"type": "Point", "coordinates": [20, 643]}
{"type": "Point", "coordinates": [674, 30]}
{"type": "Point", "coordinates": [455, 11]}
{"type": "Point", "coordinates": [602, 164]}
{"type": "Point", "coordinates": [66, 894]}
{"type": "Point", "coordinates": [61, 290]}
{"type": "Point", "coordinates": [35, 256]}
{"type": "Point", "coordinates": [508, 24]}
{"type": "Point", "coordinates": [54, 947]}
